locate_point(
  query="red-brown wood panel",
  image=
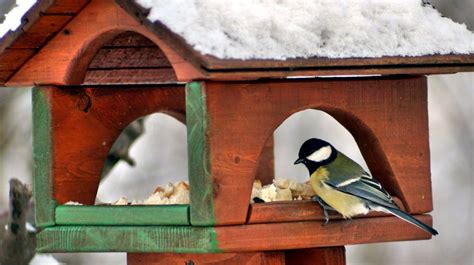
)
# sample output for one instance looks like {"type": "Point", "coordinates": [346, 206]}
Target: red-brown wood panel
{"type": "Point", "coordinates": [12, 59]}
{"type": "Point", "coordinates": [387, 117]}
{"type": "Point", "coordinates": [86, 122]}
{"type": "Point", "coordinates": [66, 6]}
{"type": "Point", "coordinates": [40, 32]}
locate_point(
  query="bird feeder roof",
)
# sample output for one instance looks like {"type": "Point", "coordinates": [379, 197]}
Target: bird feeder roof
{"type": "Point", "coordinates": [231, 46]}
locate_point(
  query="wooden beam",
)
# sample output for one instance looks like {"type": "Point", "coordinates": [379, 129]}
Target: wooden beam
{"type": "Point", "coordinates": [43, 158]}
{"type": "Point", "coordinates": [297, 235]}
{"type": "Point", "coordinates": [249, 258]}
{"type": "Point", "coordinates": [122, 215]}
{"type": "Point", "coordinates": [229, 239]}
{"type": "Point", "coordinates": [294, 211]}
{"type": "Point", "coordinates": [12, 59]}
{"type": "Point", "coordinates": [40, 32]}
{"type": "Point", "coordinates": [140, 239]}
{"type": "Point", "coordinates": [200, 179]}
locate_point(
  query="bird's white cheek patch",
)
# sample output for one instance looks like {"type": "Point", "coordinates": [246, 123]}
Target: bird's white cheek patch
{"type": "Point", "coordinates": [322, 154]}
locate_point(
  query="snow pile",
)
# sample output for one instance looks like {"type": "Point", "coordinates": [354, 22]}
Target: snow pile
{"type": "Point", "coordinates": [13, 18]}
{"type": "Point", "coordinates": [271, 29]}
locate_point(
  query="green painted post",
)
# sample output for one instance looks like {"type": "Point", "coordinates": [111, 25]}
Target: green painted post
{"type": "Point", "coordinates": [200, 178]}
{"type": "Point", "coordinates": [42, 157]}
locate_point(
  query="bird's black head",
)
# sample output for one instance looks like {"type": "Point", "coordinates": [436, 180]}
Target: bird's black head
{"type": "Point", "coordinates": [315, 153]}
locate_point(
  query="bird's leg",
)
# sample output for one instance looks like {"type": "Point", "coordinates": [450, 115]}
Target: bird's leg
{"type": "Point", "coordinates": [325, 207]}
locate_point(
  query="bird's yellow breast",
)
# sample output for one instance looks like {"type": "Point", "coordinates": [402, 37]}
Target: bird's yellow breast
{"type": "Point", "coordinates": [346, 204]}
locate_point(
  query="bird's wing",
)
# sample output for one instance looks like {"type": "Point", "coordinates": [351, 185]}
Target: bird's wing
{"type": "Point", "coordinates": [349, 177]}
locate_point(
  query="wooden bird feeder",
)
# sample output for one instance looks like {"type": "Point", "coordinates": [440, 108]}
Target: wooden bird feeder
{"type": "Point", "coordinates": [98, 65]}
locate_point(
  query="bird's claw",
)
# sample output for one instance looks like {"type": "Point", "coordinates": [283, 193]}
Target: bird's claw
{"type": "Point", "coordinates": [325, 207]}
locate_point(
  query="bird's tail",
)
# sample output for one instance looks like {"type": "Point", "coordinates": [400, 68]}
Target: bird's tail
{"type": "Point", "coordinates": [406, 217]}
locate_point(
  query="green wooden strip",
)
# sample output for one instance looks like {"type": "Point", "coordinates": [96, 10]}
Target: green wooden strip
{"type": "Point", "coordinates": [122, 215]}
{"type": "Point", "coordinates": [178, 239]}
{"type": "Point", "coordinates": [200, 179]}
{"type": "Point", "coordinates": [42, 157]}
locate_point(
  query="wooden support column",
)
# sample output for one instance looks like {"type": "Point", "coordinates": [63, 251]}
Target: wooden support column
{"type": "Point", "coordinates": [230, 122]}
{"type": "Point", "coordinates": [316, 256]}
{"type": "Point", "coordinates": [249, 258]}
{"type": "Point", "coordinates": [311, 256]}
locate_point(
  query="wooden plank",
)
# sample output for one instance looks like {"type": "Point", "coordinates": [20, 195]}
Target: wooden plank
{"type": "Point", "coordinates": [140, 57]}
{"type": "Point", "coordinates": [229, 239]}
{"type": "Point", "coordinates": [386, 115]}
{"type": "Point", "coordinates": [298, 235]}
{"type": "Point", "coordinates": [129, 76]}
{"type": "Point", "coordinates": [122, 215]}
{"type": "Point", "coordinates": [316, 256]}
{"type": "Point", "coordinates": [202, 192]}
{"type": "Point", "coordinates": [129, 39]}
{"type": "Point", "coordinates": [85, 122]}
{"type": "Point", "coordinates": [42, 158]}
{"type": "Point", "coordinates": [12, 59]}
{"type": "Point", "coordinates": [213, 63]}
{"type": "Point", "coordinates": [294, 211]}
{"type": "Point", "coordinates": [66, 6]}
{"type": "Point", "coordinates": [40, 32]}
{"type": "Point", "coordinates": [4, 75]}
{"type": "Point", "coordinates": [27, 21]}
{"type": "Point", "coordinates": [250, 258]}
{"type": "Point", "coordinates": [393, 70]}
{"type": "Point", "coordinates": [139, 239]}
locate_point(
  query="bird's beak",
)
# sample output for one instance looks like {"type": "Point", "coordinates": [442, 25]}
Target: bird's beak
{"type": "Point", "coordinates": [299, 160]}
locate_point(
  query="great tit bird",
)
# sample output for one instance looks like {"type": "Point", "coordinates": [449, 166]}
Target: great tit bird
{"type": "Point", "coordinates": [344, 186]}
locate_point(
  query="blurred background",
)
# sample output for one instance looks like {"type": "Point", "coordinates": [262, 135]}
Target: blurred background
{"type": "Point", "coordinates": [160, 155]}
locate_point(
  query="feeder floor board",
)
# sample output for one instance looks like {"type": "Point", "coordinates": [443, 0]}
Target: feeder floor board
{"type": "Point", "coordinates": [240, 238]}
{"type": "Point", "coordinates": [297, 211]}
{"type": "Point", "coordinates": [122, 215]}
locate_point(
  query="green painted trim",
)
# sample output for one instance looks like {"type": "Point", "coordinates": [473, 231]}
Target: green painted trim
{"type": "Point", "coordinates": [122, 215]}
{"type": "Point", "coordinates": [42, 158]}
{"type": "Point", "coordinates": [142, 239]}
{"type": "Point", "coordinates": [200, 178]}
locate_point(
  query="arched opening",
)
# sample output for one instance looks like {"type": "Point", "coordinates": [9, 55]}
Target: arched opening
{"type": "Point", "coordinates": [149, 155]}
{"type": "Point", "coordinates": [128, 58]}
{"type": "Point", "coordinates": [287, 139]}
{"type": "Point", "coordinates": [304, 125]}
{"type": "Point", "coordinates": [348, 134]}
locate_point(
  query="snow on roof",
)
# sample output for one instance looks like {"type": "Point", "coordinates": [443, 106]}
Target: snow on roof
{"type": "Point", "coordinates": [13, 18]}
{"type": "Point", "coordinates": [281, 29]}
